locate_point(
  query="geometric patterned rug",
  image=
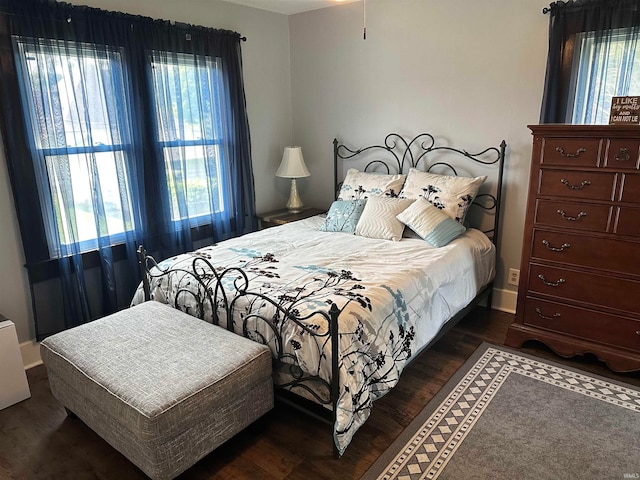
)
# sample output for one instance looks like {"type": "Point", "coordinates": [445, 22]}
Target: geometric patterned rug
{"type": "Point", "coordinates": [506, 414]}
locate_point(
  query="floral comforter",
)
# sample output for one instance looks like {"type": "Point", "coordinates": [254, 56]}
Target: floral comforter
{"type": "Point", "coordinates": [394, 297]}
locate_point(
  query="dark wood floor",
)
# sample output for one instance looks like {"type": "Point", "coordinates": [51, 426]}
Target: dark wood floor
{"type": "Point", "coordinates": [38, 441]}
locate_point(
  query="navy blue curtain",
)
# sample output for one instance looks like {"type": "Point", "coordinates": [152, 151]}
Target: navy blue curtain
{"type": "Point", "coordinates": [118, 130]}
{"type": "Point", "coordinates": [602, 20]}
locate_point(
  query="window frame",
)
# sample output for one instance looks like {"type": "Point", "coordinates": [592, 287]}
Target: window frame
{"type": "Point", "coordinates": [212, 63]}
{"type": "Point", "coordinates": [115, 56]}
{"type": "Point", "coordinates": [585, 43]}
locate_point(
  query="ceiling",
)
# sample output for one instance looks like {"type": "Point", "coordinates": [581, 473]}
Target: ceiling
{"type": "Point", "coordinates": [289, 7]}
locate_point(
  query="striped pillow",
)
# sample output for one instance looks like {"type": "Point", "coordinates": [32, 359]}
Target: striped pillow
{"type": "Point", "coordinates": [434, 226]}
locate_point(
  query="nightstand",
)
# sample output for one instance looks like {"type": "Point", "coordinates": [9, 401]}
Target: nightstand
{"type": "Point", "coordinates": [282, 216]}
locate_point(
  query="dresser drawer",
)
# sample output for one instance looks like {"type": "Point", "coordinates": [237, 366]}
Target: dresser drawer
{"type": "Point", "coordinates": [583, 185]}
{"type": "Point", "coordinates": [578, 152]}
{"type": "Point", "coordinates": [578, 216]}
{"type": "Point", "coordinates": [630, 188]}
{"type": "Point", "coordinates": [622, 154]}
{"type": "Point", "coordinates": [584, 251]}
{"type": "Point", "coordinates": [628, 223]}
{"type": "Point", "coordinates": [583, 323]}
{"type": "Point", "coordinates": [613, 292]}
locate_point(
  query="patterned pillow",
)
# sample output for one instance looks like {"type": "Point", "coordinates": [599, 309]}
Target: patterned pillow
{"type": "Point", "coordinates": [359, 185]}
{"type": "Point", "coordinates": [379, 220]}
{"type": "Point", "coordinates": [343, 216]}
{"type": "Point", "coordinates": [430, 223]}
{"type": "Point", "coordinates": [452, 195]}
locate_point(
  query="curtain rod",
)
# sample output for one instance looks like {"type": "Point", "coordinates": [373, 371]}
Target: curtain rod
{"type": "Point", "coordinates": [172, 22]}
{"type": "Point", "coordinates": [571, 4]}
{"type": "Point", "coordinates": [552, 5]}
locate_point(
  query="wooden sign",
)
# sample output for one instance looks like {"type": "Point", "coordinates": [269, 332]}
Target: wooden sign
{"type": "Point", "coordinates": [625, 111]}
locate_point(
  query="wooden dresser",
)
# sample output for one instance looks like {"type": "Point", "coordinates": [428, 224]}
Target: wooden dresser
{"type": "Point", "coordinates": [579, 286]}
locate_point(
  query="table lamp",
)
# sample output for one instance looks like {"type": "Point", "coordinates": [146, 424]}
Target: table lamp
{"type": "Point", "coordinates": [292, 166]}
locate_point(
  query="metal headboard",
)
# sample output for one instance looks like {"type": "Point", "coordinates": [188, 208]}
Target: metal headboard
{"type": "Point", "coordinates": [400, 154]}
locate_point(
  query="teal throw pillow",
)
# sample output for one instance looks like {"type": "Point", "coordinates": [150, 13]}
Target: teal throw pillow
{"type": "Point", "coordinates": [343, 216]}
{"type": "Point", "coordinates": [430, 223]}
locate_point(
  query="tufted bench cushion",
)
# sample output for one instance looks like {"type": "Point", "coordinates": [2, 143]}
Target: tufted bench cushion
{"type": "Point", "coordinates": [160, 386]}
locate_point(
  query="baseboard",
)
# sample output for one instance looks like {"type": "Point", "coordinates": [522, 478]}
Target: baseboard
{"type": "Point", "coordinates": [30, 351]}
{"type": "Point", "coordinates": [504, 300]}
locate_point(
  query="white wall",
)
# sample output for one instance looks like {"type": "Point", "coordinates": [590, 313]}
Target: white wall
{"type": "Point", "coordinates": [470, 72]}
{"type": "Point", "coordinates": [268, 92]}
{"type": "Point", "coordinates": [15, 300]}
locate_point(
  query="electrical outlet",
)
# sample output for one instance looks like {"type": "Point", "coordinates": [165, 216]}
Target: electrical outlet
{"type": "Point", "coordinates": [514, 276]}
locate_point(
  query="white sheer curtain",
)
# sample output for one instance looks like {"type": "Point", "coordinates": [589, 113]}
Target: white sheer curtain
{"type": "Point", "coordinates": [608, 66]}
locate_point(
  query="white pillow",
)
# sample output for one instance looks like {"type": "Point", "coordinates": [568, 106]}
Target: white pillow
{"type": "Point", "coordinates": [430, 223]}
{"type": "Point", "coordinates": [378, 219]}
{"type": "Point", "coordinates": [359, 185]}
{"type": "Point", "coordinates": [453, 195]}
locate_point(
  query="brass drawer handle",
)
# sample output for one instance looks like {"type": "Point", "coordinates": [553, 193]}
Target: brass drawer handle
{"type": "Point", "coordinates": [551, 284]}
{"type": "Point", "coordinates": [585, 183]}
{"type": "Point", "coordinates": [547, 317]}
{"type": "Point", "coordinates": [623, 155]}
{"type": "Point", "coordinates": [562, 248]}
{"type": "Point", "coordinates": [560, 150]}
{"type": "Point", "coordinates": [564, 215]}
{"type": "Point", "coordinates": [637, 332]}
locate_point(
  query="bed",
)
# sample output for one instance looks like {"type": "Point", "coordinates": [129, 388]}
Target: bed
{"type": "Point", "coordinates": [344, 314]}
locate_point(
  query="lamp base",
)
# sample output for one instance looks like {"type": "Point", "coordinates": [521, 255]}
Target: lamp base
{"type": "Point", "coordinates": [294, 205]}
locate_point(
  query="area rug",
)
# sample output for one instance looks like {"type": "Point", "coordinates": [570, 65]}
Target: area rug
{"type": "Point", "coordinates": [508, 415]}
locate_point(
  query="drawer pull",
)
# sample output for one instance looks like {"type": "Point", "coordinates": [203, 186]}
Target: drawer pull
{"type": "Point", "coordinates": [562, 248]}
{"type": "Point", "coordinates": [585, 183]}
{"type": "Point", "coordinates": [637, 332]}
{"type": "Point", "coordinates": [560, 150]}
{"type": "Point", "coordinates": [564, 215]}
{"type": "Point", "coordinates": [623, 155]}
{"type": "Point", "coordinates": [551, 284]}
{"type": "Point", "coordinates": [547, 317]}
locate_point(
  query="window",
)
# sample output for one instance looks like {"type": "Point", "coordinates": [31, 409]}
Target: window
{"type": "Point", "coordinates": [591, 57]}
{"type": "Point", "coordinates": [607, 66]}
{"type": "Point", "coordinates": [187, 97]}
{"type": "Point", "coordinates": [75, 104]}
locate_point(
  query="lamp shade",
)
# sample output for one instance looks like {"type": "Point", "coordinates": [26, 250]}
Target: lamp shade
{"type": "Point", "coordinates": [292, 165]}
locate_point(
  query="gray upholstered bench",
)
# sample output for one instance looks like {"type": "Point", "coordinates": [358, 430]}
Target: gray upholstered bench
{"type": "Point", "coordinates": [160, 386]}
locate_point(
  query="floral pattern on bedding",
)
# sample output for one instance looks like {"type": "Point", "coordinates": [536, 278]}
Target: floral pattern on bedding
{"type": "Point", "coordinates": [375, 342]}
{"type": "Point", "coordinates": [394, 297]}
